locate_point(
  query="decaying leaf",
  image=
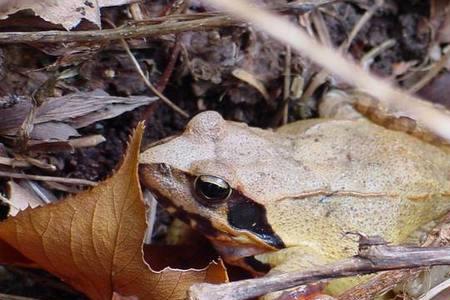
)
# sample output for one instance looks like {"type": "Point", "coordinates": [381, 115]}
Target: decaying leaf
{"type": "Point", "coordinates": [59, 117]}
{"type": "Point", "coordinates": [10, 256]}
{"type": "Point", "coordinates": [252, 80]}
{"type": "Point", "coordinates": [68, 13]}
{"type": "Point", "coordinates": [93, 240]}
{"type": "Point", "coordinates": [21, 198]}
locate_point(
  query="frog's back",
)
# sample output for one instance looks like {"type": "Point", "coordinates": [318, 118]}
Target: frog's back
{"type": "Point", "coordinates": [361, 156]}
{"type": "Point", "coordinates": [374, 181]}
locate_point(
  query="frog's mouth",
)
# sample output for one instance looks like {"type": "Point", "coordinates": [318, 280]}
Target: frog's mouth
{"type": "Point", "coordinates": [231, 227]}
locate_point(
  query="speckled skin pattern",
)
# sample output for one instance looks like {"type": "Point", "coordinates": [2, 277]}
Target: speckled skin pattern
{"type": "Point", "coordinates": [316, 179]}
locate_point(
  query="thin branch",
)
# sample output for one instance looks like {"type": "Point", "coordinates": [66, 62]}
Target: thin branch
{"type": "Point", "coordinates": [287, 84]}
{"type": "Point", "coordinates": [87, 141]}
{"type": "Point", "coordinates": [15, 163]}
{"type": "Point", "coordinates": [436, 290]}
{"type": "Point", "coordinates": [48, 178]}
{"type": "Point", "coordinates": [371, 258]}
{"type": "Point", "coordinates": [379, 284]}
{"type": "Point", "coordinates": [386, 281]}
{"type": "Point", "coordinates": [11, 297]}
{"type": "Point", "coordinates": [126, 32]}
{"type": "Point", "coordinates": [145, 79]}
{"type": "Point", "coordinates": [369, 57]}
{"type": "Point", "coordinates": [334, 62]}
{"type": "Point", "coordinates": [168, 70]}
{"type": "Point", "coordinates": [320, 78]}
{"type": "Point", "coordinates": [149, 84]}
{"type": "Point", "coordinates": [359, 25]}
{"type": "Point", "coordinates": [171, 24]}
{"type": "Point", "coordinates": [434, 70]}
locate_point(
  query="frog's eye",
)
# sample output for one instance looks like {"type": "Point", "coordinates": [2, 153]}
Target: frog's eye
{"type": "Point", "coordinates": [212, 189]}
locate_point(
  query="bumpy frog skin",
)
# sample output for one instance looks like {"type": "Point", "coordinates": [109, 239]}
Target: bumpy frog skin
{"type": "Point", "coordinates": [297, 190]}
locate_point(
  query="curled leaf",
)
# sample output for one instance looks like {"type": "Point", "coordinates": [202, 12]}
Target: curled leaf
{"type": "Point", "coordinates": [93, 240]}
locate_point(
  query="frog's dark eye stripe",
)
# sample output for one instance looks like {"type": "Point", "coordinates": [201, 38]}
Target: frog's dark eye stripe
{"type": "Point", "coordinates": [211, 189]}
{"type": "Point", "coordinates": [246, 214]}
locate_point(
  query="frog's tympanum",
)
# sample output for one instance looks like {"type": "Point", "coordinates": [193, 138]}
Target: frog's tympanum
{"type": "Point", "coordinates": [282, 200]}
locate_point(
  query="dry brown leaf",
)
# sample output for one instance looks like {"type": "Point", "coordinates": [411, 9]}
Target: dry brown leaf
{"type": "Point", "coordinates": [68, 13]}
{"type": "Point", "coordinates": [10, 256]}
{"type": "Point", "coordinates": [21, 198]}
{"type": "Point", "coordinates": [57, 117]}
{"type": "Point", "coordinates": [93, 240]}
{"type": "Point", "coordinates": [252, 80]}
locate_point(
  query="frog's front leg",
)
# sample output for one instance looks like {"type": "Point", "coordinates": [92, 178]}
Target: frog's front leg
{"type": "Point", "coordinates": [302, 258]}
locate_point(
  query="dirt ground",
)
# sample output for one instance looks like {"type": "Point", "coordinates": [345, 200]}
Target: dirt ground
{"type": "Point", "coordinates": [197, 71]}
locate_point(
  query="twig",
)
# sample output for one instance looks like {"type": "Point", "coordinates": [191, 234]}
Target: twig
{"type": "Point", "coordinates": [371, 258]}
{"type": "Point", "coordinates": [149, 84]}
{"type": "Point", "coordinates": [126, 32]}
{"type": "Point", "coordinates": [87, 141]}
{"type": "Point", "coordinates": [48, 178]}
{"type": "Point", "coordinates": [321, 77]}
{"type": "Point", "coordinates": [321, 28]}
{"type": "Point", "coordinates": [334, 62]}
{"type": "Point", "coordinates": [11, 297]}
{"type": "Point", "coordinates": [378, 285]}
{"type": "Point", "coordinates": [136, 12]}
{"type": "Point", "coordinates": [434, 70]}
{"type": "Point", "coordinates": [7, 161]}
{"type": "Point", "coordinates": [386, 281]}
{"type": "Point", "coordinates": [369, 57]}
{"type": "Point", "coordinates": [287, 84]}
{"type": "Point", "coordinates": [164, 79]}
{"type": "Point", "coordinates": [172, 24]}
{"type": "Point", "coordinates": [145, 79]}
{"type": "Point", "coordinates": [40, 163]}
{"type": "Point", "coordinates": [436, 290]}
{"type": "Point", "coordinates": [7, 201]}
{"type": "Point", "coordinates": [359, 25]}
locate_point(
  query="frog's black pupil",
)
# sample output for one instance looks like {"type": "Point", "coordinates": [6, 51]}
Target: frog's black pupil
{"type": "Point", "coordinates": [212, 188]}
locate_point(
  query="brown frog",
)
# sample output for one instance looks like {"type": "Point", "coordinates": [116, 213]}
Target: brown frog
{"type": "Point", "coordinates": [283, 199]}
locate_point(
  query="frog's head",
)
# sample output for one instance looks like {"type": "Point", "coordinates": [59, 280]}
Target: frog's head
{"type": "Point", "coordinates": [217, 176]}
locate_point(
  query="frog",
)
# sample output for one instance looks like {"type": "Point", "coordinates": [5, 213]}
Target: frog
{"type": "Point", "coordinates": [282, 200]}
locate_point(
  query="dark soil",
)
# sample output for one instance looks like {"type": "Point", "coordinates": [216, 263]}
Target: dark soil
{"type": "Point", "coordinates": [200, 80]}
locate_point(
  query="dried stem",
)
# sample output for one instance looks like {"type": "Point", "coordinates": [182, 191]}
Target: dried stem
{"type": "Point", "coordinates": [386, 281]}
{"type": "Point", "coordinates": [126, 32]}
{"type": "Point", "coordinates": [320, 78]}
{"type": "Point", "coordinates": [436, 290]}
{"type": "Point", "coordinates": [287, 84]}
{"type": "Point", "coordinates": [334, 62]}
{"type": "Point", "coordinates": [359, 25]}
{"type": "Point", "coordinates": [167, 73]}
{"type": "Point", "coordinates": [149, 84]}
{"type": "Point", "coordinates": [371, 258]}
{"type": "Point", "coordinates": [168, 25]}
{"type": "Point", "coordinates": [434, 70]}
{"type": "Point", "coordinates": [145, 79]}
{"type": "Point", "coordinates": [11, 297]}
{"type": "Point", "coordinates": [48, 178]}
